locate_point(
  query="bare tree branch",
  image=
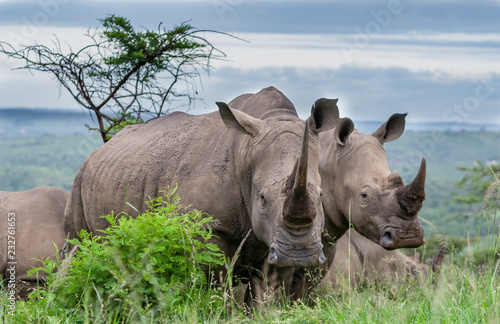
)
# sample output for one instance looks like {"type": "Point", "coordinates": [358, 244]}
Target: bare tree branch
{"type": "Point", "coordinates": [125, 76]}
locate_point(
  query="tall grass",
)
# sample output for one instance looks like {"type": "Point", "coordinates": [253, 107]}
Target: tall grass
{"type": "Point", "coordinates": [459, 296]}
{"type": "Point", "coordinates": [467, 290]}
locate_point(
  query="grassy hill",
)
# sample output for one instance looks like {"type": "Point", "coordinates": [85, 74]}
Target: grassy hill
{"type": "Point", "coordinates": [47, 160]}
{"type": "Point", "coordinates": [43, 147]}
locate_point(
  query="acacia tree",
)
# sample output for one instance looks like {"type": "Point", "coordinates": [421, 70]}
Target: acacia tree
{"type": "Point", "coordinates": [125, 76]}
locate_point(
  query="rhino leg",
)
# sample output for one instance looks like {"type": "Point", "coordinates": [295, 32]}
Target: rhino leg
{"type": "Point", "coordinates": [276, 285]}
{"type": "Point", "coordinates": [272, 285]}
{"type": "Point", "coordinates": [263, 288]}
{"type": "Point", "coordinates": [305, 280]}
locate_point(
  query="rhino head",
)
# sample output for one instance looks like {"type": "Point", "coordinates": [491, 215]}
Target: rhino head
{"type": "Point", "coordinates": [281, 180]}
{"type": "Point", "coordinates": [362, 191]}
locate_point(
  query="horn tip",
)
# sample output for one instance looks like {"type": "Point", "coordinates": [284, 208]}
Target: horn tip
{"type": "Point", "coordinates": [423, 166]}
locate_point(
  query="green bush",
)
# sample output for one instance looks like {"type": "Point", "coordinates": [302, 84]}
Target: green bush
{"type": "Point", "coordinates": [140, 267]}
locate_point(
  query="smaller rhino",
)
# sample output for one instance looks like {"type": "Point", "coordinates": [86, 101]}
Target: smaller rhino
{"type": "Point", "coordinates": [30, 223]}
{"type": "Point", "coordinates": [360, 190]}
{"type": "Point", "coordinates": [358, 260]}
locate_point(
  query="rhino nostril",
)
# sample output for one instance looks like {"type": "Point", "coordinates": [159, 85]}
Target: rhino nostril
{"type": "Point", "coordinates": [322, 258]}
{"type": "Point", "coordinates": [387, 239]}
{"type": "Point", "coordinates": [273, 257]}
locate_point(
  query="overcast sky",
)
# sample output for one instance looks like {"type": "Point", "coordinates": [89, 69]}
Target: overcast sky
{"type": "Point", "coordinates": [437, 60]}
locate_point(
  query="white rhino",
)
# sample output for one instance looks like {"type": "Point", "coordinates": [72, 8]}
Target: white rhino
{"type": "Point", "coordinates": [359, 260]}
{"type": "Point", "coordinates": [30, 223]}
{"type": "Point", "coordinates": [360, 190]}
{"type": "Point", "coordinates": [250, 174]}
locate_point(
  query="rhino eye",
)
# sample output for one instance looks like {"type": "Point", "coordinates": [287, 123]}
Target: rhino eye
{"type": "Point", "coordinates": [365, 197]}
{"type": "Point", "coordinates": [262, 200]}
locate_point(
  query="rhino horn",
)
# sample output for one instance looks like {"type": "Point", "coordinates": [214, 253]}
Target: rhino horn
{"type": "Point", "coordinates": [411, 196]}
{"type": "Point", "coordinates": [297, 208]}
{"type": "Point", "coordinates": [300, 184]}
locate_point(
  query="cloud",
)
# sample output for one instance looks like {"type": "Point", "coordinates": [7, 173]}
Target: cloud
{"type": "Point", "coordinates": [367, 93]}
{"type": "Point", "coordinates": [295, 17]}
{"type": "Point", "coordinates": [427, 58]}
{"type": "Point", "coordinates": [473, 55]}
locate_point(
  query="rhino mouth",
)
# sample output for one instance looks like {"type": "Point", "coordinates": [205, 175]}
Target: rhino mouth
{"type": "Point", "coordinates": [282, 255]}
{"type": "Point", "coordinates": [393, 239]}
{"type": "Point", "coordinates": [288, 249]}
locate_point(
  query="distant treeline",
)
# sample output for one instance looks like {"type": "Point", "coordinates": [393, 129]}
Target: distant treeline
{"type": "Point", "coordinates": [25, 122]}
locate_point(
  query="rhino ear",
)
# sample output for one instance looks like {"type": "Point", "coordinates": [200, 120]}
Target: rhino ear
{"type": "Point", "coordinates": [344, 128]}
{"type": "Point", "coordinates": [324, 115]}
{"type": "Point", "coordinates": [238, 121]}
{"type": "Point", "coordinates": [392, 129]}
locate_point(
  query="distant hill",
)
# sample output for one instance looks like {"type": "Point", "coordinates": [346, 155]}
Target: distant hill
{"type": "Point", "coordinates": [371, 126]}
{"type": "Point", "coordinates": [25, 122]}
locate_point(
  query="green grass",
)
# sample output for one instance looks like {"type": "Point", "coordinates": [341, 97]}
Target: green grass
{"type": "Point", "coordinates": [467, 289]}
{"type": "Point", "coordinates": [141, 268]}
{"type": "Point", "coordinates": [461, 294]}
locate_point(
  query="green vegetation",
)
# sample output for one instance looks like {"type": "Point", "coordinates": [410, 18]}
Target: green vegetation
{"type": "Point", "coordinates": [478, 187]}
{"type": "Point", "coordinates": [139, 270]}
{"type": "Point", "coordinates": [148, 271]}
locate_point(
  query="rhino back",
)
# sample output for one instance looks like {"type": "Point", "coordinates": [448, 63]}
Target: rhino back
{"type": "Point", "coordinates": [365, 260]}
{"type": "Point", "coordinates": [264, 101]}
{"type": "Point", "coordinates": [386, 265]}
{"type": "Point", "coordinates": [39, 216]}
{"type": "Point", "coordinates": [194, 152]}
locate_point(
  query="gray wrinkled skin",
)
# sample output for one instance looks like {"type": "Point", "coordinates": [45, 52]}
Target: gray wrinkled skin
{"type": "Point", "coordinates": [360, 189]}
{"type": "Point", "coordinates": [39, 217]}
{"type": "Point", "coordinates": [240, 169]}
{"type": "Point", "coordinates": [359, 260]}
{"type": "Point", "coordinates": [266, 281]}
